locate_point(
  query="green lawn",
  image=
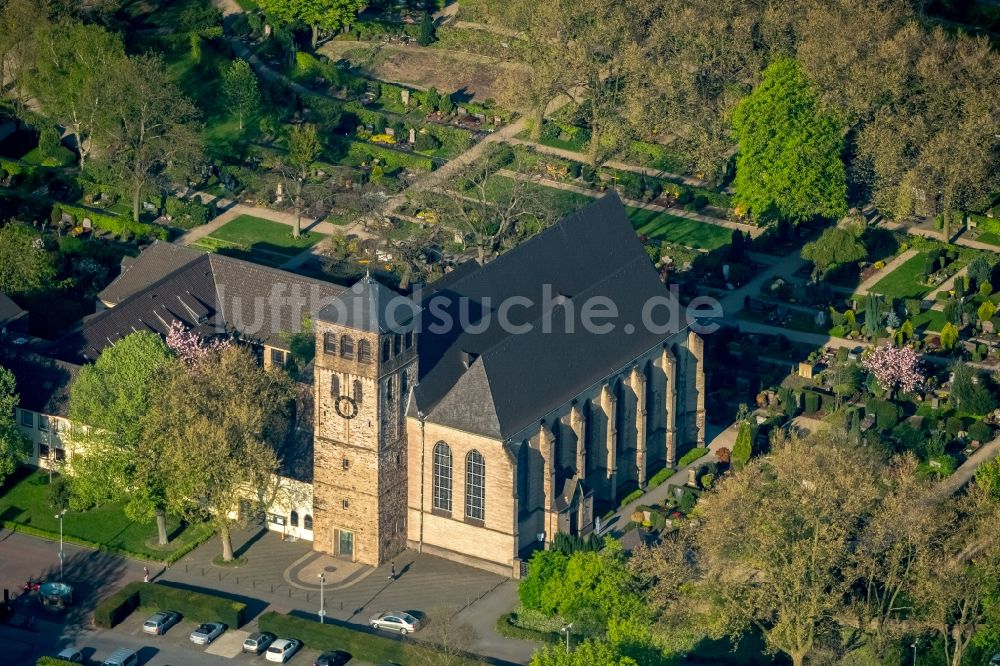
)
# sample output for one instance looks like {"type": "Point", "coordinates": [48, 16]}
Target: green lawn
{"type": "Point", "coordinates": [673, 229]}
{"type": "Point", "coordinates": [247, 230]}
{"type": "Point", "coordinates": [63, 157]}
{"type": "Point", "coordinates": [930, 320]}
{"type": "Point", "coordinates": [25, 501]}
{"type": "Point", "coordinates": [906, 281]}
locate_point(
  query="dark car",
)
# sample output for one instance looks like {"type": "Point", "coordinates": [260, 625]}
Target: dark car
{"type": "Point", "coordinates": [335, 658]}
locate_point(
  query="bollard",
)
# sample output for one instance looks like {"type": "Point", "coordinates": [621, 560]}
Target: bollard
{"type": "Point", "coordinates": [220, 576]}
{"type": "Point", "coordinates": [272, 588]}
{"type": "Point", "coordinates": [253, 581]}
{"type": "Point", "coordinates": [289, 593]}
{"type": "Point", "coordinates": [237, 580]}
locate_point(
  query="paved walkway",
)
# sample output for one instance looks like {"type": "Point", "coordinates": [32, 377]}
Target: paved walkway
{"type": "Point", "coordinates": [615, 524]}
{"type": "Point", "coordinates": [967, 470]}
{"type": "Point", "coordinates": [754, 231]}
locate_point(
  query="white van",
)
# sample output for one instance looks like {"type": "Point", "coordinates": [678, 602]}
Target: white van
{"type": "Point", "coordinates": [122, 657]}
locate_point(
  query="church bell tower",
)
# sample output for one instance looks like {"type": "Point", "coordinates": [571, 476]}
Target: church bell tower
{"type": "Point", "coordinates": [366, 362]}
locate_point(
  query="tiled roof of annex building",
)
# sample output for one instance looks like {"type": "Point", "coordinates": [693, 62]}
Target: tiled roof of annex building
{"type": "Point", "coordinates": [209, 293]}
{"type": "Point", "coordinates": [499, 383]}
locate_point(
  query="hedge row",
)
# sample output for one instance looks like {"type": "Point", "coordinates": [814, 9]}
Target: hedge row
{"type": "Point", "coordinates": [660, 477]}
{"type": "Point", "coordinates": [390, 158]}
{"type": "Point", "coordinates": [362, 645]}
{"type": "Point", "coordinates": [506, 628]}
{"type": "Point", "coordinates": [691, 456]}
{"type": "Point", "coordinates": [195, 606]}
{"type": "Point", "coordinates": [52, 661]}
{"type": "Point", "coordinates": [117, 225]}
{"type": "Point", "coordinates": [112, 610]}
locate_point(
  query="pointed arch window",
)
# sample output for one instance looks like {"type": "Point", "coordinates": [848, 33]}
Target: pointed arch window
{"type": "Point", "coordinates": [329, 343]}
{"type": "Point", "coordinates": [386, 349]}
{"type": "Point", "coordinates": [334, 385]}
{"type": "Point", "coordinates": [358, 391]}
{"type": "Point", "coordinates": [364, 351]}
{"type": "Point", "coordinates": [475, 485]}
{"type": "Point", "coordinates": [442, 477]}
{"type": "Point", "coordinates": [295, 519]}
{"type": "Point", "coordinates": [346, 347]}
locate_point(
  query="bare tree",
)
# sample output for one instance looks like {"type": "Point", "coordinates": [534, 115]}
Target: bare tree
{"type": "Point", "coordinates": [492, 208]}
{"type": "Point", "coordinates": [451, 639]}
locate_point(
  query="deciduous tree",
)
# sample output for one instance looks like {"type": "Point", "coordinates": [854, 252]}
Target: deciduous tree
{"type": "Point", "coordinates": [303, 149]}
{"type": "Point", "coordinates": [836, 246]}
{"type": "Point", "coordinates": [789, 163]}
{"type": "Point", "coordinates": [13, 444]}
{"type": "Point", "coordinates": [330, 15]}
{"type": "Point", "coordinates": [69, 78]}
{"type": "Point", "coordinates": [216, 427]}
{"type": "Point", "coordinates": [150, 133]}
{"type": "Point", "coordinates": [239, 84]}
{"type": "Point", "coordinates": [108, 401]}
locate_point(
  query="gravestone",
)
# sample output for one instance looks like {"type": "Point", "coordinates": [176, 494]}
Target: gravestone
{"type": "Point", "coordinates": [692, 477]}
{"type": "Point", "coordinates": [405, 97]}
{"type": "Point", "coordinates": [87, 224]}
{"type": "Point", "coordinates": [988, 326]}
{"type": "Point", "coordinates": [390, 131]}
{"type": "Point", "coordinates": [413, 135]}
{"type": "Point", "coordinates": [267, 30]}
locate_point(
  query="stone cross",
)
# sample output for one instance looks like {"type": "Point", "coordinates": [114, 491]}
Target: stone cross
{"type": "Point", "coordinates": [413, 135]}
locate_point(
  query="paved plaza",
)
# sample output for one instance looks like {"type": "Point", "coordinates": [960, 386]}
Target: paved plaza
{"type": "Point", "coordinates": [284, 576]}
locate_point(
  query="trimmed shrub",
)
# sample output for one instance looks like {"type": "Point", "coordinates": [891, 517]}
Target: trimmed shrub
{"type": "Point", "coordinates": [691, 456]}
{"type": "Point", "coordinates": [886, 414]}
{"type": "Point", "coordinates": [631, 497]}
{"type": "Point", "coordinates": [362, 644]}
{"type": "Point", "coordinates": [120, 226]}
{"type": "Point", "coordinates": [112, 610]}
{"type": "Point", "coordinates": [953, 425]}
{"type": "Point", "coordinates": [659, 477]}
{"type": "Point", "coordinates": [52, 661]}
{"type": "Point", "coordinates": [980, 431]}
{"type": "Point", "coordinates": [686, 502]}
{"type": "Point", "coordinates": [506, 626]}
{"type": "Point", "coordinates": [392, 159]}
{"type": "Point", "coordinates": [811, 401]}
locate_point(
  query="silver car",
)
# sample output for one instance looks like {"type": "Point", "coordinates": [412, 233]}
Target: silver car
{"type": "Point", "coordinates": [399, 621]}
{"type": "Point", "coordinates": [158, 623]}
{"type": "Point", "coordinates": [207, 632]}
{"type": "Point", "coordinates": [258, 642]}
{"type": "Point", "coordinates": [71, 655]}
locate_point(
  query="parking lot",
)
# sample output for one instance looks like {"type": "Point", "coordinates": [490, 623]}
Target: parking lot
{"type": "Point", "coordinates": [174, 648]}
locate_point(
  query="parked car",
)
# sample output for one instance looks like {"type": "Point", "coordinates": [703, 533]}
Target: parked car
{"type": "Point", "coordinates": [206, 633]}
{"type": "Point", "coordinates": [334, 658]}
{"type": "Point", "coordinates": [72, 655]}
{"type": "Point", "coordinates": [158, 623]}
{"type": "Point", "coordinates": [995, 660]}
{"type": "Point", "coordinates": [282, 649]}
{"type": "Point", "coordinates": [399, 621]}
{"type": "Point", "coordinates": [122, 657]}
{"type": "Point", "coordinates": [258, 642]}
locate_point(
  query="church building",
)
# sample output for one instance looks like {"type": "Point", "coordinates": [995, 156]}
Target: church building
{"type": "Point", "coordinates": [504, 403]}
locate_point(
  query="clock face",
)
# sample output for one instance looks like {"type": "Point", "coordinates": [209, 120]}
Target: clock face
{"type": "Point", "coordinates": [346, 407]}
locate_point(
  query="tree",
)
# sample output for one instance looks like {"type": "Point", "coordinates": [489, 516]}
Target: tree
{"type": "Point", "coordinates": [874, 311]}
{"type": "Point", "coordinates": [303, 149]}
{"type": "Point", "coordinates": [949, 335]}
{"type": "Point", "coordinates": [69, 77]}
{"type": "Point", "coordinates": [109, 401]}
{"type": "Point", "coordinates": [836, 246]}
{"type": "Point", "coordinates": [789, 164]}
{"type": "Point", "coordinates": [330, 15]}
{"type": "Point", "coordinates": [239, 85]}
{"type": "Point", "coordinates": [986, 311]}
{"type": "Point", "coordinates": [774, 539]}
{"type": "Point", "coordinates": [13, 444]}
{"type": "Point", "coordinates": [894, 367]}
{"type": "Point", "coordinates": [216, 426]}
{"type": "Point", "coordinates": [25, 266]}
{"type": "Point", "coordinates": [150, 131]}
{"type": "Point", "coordinates": [493, 219]}
{"type": "Point", "coordinates": [427, 36]}
{"type": "Point", "coordinates": [450, 639]}
{"type": "Point", "coordinates": [743, 447]}
{"type": "Point", "coordinates": [969, 392]}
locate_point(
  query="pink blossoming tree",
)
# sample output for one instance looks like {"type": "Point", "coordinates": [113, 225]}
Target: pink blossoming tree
{"type": "Point", "coordinates": [190, 347]}
{"type": "Point", "coordinates": [894, 367]}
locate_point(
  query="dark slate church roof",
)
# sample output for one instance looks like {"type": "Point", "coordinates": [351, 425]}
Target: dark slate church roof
{"type": "Point", "coordinates": [498, 383]}
{"type": "Point", "coordinates": [369, 306]}
{"type": "Point", "coordinates": [209, 293]}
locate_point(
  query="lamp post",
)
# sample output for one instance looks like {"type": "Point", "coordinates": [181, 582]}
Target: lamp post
{"type": "Point", "coordinates": [322, 607]}
{"type": "Point", "coordinates": [565, 630]}
{"type": "Point", "coordinates": [61, 556]}
{"type": "Point", "coordinates": [914, 646]}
